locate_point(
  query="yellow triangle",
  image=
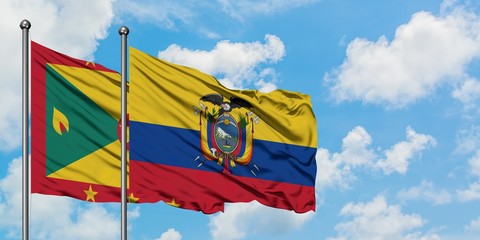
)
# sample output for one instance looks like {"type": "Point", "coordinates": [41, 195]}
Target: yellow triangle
{"type": "Point", "coordinates": [93, 84]}
{"type": "Point", "coordinates": [101, 167]}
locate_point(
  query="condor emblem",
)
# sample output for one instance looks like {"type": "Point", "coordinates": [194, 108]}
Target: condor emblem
{"type": "Point", "coordinates": [226, 132]}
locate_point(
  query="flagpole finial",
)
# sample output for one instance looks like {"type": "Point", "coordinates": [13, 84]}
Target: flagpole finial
{"type": "Point", "coordinates": [25, 24]}
{"type": "Point", "coordinates": [123, 30]}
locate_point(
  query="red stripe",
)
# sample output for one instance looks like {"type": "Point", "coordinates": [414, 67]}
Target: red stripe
{"type": "Point", "coordinates": [42, 55]}
{"type": "Point", "coordinates": [60, 187]}
{"type": "Point", "coordinates": [207, 192]}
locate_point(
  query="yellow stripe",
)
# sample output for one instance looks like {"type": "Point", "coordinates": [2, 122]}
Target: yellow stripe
{"type": "Point", "coordinates": [100, 167]}
{"type": "Point", "coordinates": [164, 93]}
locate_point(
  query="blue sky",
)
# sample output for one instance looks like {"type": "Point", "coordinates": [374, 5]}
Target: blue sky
{"type": "Point", "coordinates": [394, 85]}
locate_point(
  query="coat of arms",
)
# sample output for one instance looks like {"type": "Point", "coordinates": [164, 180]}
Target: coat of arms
{"type": "Point", "coordinates": [226, 131]}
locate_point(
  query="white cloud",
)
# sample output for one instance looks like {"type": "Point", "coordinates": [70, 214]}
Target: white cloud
{"type": "Point", "coordinates": [468, 93]}
{"type": "Point", "coordinates": [337, 169]}
{"type": "Point", "coordinates": [448, 5]}
{"type": "Point", "coordinates": [377, 220]}
{"type": "Point", "coordinates": [53, 217]}
{"type": "Point", "coordinates": [164, 13]}
{"type": "Point", "coordinates": [468, 140]}
{"type": "Point", "coordinates": [420, 236]}
{"type": "Point", "coordinates": [11, 196]}
{"type": "Point", "coordinates": [470, 194]}
{"type": "Point", "coordinates": [243, 9]}
{"type": "Point", "coordinates": [241, 220]}
{"type": "Point", "coordinates": [474, 163]}
{"type": "Point", "coordinates": [73, 27]}
{"type": "Point", "coordinates": [236, 62]}
{"type": "Point", "coordinates": [411, 66]}
{"type": "Point", "coordinates": [398, 157]}
{"type": "Point", "coordinates": [355, 151]}
{"type": "Point", "coordinates": [82, 23]}
{"type": "Point", "coordinates": [170, 234]}
{"type": "Point", "coordinates": [471, 231]}
{"type": "Point", "coordinates": [266, 87]}
{"type": "Point", "coordinates": [267, 80]}
{"type": "Point", "coordinates": [425, 191]}
{"type": "Point", "coordinates": [331, 171]}
{"type": "Point", "coordinates": [134, 213]}
{"type": "Point", "coordinates": [169, 14]}
{"type": "Point", "coordinates": [473, 226]}
{"type": "Point", "coordinates": [64, 218]}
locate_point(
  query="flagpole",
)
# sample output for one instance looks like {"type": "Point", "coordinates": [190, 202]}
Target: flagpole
{"type": "Point", "coordinates": [25, 26]}
{"type": "Point", "coordinates": [123, 31]}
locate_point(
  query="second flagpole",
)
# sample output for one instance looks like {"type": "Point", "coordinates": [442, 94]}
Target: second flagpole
{"type": "Point", "coordinates": [123, 31]}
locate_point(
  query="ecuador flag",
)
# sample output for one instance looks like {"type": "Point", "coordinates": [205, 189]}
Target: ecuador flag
{"type": "Point", "coordinates": [195, 144]}
{"type": "Point", "coordinates": [75, 113]}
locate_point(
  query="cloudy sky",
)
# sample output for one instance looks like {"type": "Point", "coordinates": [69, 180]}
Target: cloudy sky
{"type": "Point", "coordinates": [395, 88]}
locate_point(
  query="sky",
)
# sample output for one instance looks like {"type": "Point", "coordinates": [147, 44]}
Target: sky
{"type": "Point", "coordinates": [394, 85]}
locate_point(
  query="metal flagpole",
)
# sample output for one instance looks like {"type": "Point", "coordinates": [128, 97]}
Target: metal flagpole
{"type": "Point", "coordinates": [123, 31]}
{"type": "Point", "coordinates": [25, 26]}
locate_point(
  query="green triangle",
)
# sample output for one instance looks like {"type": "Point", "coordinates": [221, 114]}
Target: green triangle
{"type": "Point", "coordinates": [90, 127]}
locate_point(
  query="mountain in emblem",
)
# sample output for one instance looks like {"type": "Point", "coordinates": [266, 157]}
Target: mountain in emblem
{"type": "Point", "coordinates": [224, 138]}
{"type": "Point", "coordinates": [222, 134]}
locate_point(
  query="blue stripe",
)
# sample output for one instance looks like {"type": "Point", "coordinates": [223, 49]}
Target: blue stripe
{"type": "Point", "coordinates": [180, 147]}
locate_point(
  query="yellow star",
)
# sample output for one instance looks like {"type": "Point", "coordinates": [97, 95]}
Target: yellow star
{"type": "Point", "coordinates": [132, 199]}
{"type": "Point", "coordinates": [88, 62]}
{"type": "Point", "coordinates": [90, 194]}
{"type": "Point", "coordinates": [173, 203]}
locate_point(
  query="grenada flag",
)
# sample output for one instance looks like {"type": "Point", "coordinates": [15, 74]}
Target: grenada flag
{"type": "Point", "coordinates": [75, 127]}
{"type": "Point", "coordinates": [195, 144]}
